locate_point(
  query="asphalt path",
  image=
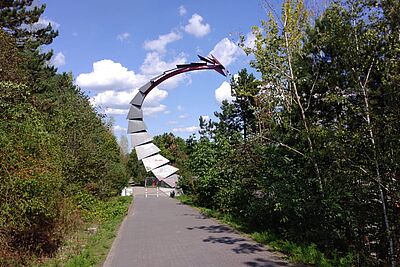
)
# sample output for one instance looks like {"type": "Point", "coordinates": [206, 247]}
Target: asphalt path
{"type": "Point", "coordinates": [159, 231]}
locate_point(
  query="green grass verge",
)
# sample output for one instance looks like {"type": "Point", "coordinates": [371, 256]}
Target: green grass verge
{"type": "Point", "coordinates": [88, 248]}
{"type": "Point", "coordinates": [296, 253]}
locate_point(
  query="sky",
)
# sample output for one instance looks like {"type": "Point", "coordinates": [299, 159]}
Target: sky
{"type": "Point", "coordinates": [114, 47]}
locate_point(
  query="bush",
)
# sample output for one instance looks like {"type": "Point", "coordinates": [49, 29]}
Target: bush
{"type": "Point", "coordinates": [30, 177]}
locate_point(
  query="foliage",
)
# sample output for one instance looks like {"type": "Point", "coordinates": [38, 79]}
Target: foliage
{"type": "Point", "coordinates": [30, 176]}
{"type": "Point", "coordinates": [135, 168]}
{"type": "Point", "coordinates": [319, 163]}
{"type": "Point", "coordinates": [19, 19]}
{"type": "Point", "coordinates": [92, 249]}
{"type": "Point", "coordinates": [57, 155]}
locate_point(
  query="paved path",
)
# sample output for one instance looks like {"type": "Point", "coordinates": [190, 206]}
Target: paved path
{"type": "Point", "coordinates": [159, 231]}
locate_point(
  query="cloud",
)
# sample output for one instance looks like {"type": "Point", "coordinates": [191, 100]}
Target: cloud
{"type": "Point", "coordinates": [179, 107]}
{"type": "Point", "coordinates": [43, 22]}
{"type": "Point", "coordinates": [148, 111]}
{"type": "Point", "coordinates": [224, 93]}
{"type": "Point", "coordinates": [190, 129]}
{"type": "Point", "coordinates": [116, 111]}
{"type": "Point", "coordinates": [154, 65]}
{"type": "Point", "coordinates": [115, 85]}
{"type": "Point", "coordinates": [183, 116]}
{"type": "Point", "coordinates": [59, 60]}
{"type": "Point", "coordinates": [110, 75]}
{"type": "Point", "coordinates": [196, 27]}
{"type": "Point", "coordinates": [123, 36]}
{"type": "Point", "coordinates": [112, 100]}
{"type": "Point", "coordinates": [155, 97]}
{"type": "Point", "coordinates": [226, 51]}
{"type": "Point", "coordinates": [161, 43]}
{"type": "Point", "coordinates": [182, 10]}
{"type": "Point", "coordinates": [117, 128]}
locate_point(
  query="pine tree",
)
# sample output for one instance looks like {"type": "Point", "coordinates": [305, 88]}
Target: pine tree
{"type": "Point", "coordinates": [19, 19]}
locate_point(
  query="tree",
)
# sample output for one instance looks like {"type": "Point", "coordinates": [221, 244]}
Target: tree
{"type": "Point", "coordinates": [245, 88]}
{"type": "Point", "coordinates": [123, 144]}
{"type": "Point", "coordinates": [19, 19]}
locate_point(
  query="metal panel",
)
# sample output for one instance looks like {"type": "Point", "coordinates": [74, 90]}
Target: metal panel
{"type": "Point", "coordinates": [144, 151]}
{"type": "Point", "coordinates": [145, 88]}
{"type": "Point", "coordinates": [135, 113]}
{"type": "Point", "coordinates": [164, 171]}
{"type": "Point", "coordinates": [153, 162]}
{"type": "Point", "coordinates": [140, 138]}
{"type": "Point", "coordinates": [138, 99]}
{"type": "Point", "coordinates": [135, 126]}
{"type": "Point", "coordinates": [172, 180]}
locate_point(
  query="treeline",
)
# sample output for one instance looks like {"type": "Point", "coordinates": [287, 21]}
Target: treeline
{"type": "Point", "coordinates": [57, 155]}
{"type": "Point", "coordinates": [311, 151]}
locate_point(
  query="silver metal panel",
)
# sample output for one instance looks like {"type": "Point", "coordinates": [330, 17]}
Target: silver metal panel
{"type": "Point", "coordinates": [140, 138]}
{"type": "Point", "coordinates": [138, 99]}
{"type": "Point", "coordinates": [144, 151]}
{"type": "Point", "coordinates": [172, 180]}
{"type": "Point", "coordinates": [153, 162]}
{"type": "Point", "coordinates": [164, 171]}
{"type": "Point", "coordinates": [135, 113]}
{"type": "Point", "coordinates": [145, 88]}
{"type": "Point", "coordinates": [135, 126]}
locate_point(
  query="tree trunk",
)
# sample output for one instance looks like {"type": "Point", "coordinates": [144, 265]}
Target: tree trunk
{"type": "Point", "coordinates": [378, 173]}
{"type": "Point", "coordinates": [303, 114]}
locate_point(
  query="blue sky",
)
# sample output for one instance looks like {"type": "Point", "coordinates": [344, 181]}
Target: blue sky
{"type": "Point", "coordinates": [114, 47]}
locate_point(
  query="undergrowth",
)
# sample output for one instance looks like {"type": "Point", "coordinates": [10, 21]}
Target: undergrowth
{"type": "Point", "coordinates": [89, 246]}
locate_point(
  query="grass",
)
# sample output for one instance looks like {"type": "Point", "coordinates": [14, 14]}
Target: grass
{"type": "Point", "coordinates": [90, 247]}
{"type": "Point", "coordinates": [296, 253]}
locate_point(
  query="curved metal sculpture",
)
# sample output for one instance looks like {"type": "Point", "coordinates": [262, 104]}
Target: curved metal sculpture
{"type": "Point", "coordinates": [141, 140]}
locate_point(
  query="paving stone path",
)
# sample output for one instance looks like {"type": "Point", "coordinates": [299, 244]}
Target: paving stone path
{"type": "Point", "coordinates": [161, 232]}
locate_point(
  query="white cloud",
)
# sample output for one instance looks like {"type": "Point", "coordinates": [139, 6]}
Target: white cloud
{"type": "Point", "coordinates": [182, 10]}
{"type": "Point", "coordinates": [172, 122]}
{"type": "Point", "coordinates": [110, 75]}
{"type": "Point", "coordinates": [183, 116]}
{"type": "Point", "coordinates": [117, 128]}
{"type": "Point", "coordinates": [148, 111]}
{"type": "Point", "coordinates": [190, 129]}
{"type": "Point", "coordinates": [161, 43]}
{"type": "Point", "coordinates": [75, 34]}
{"type": "Point", "coordinates": [116, 111]}
{"type": "Point", "coordinates": [59, 60]}
{"type": "Point", "coordinates": [112, 99]}
{"type": "Point", "coordinates": [120, 100]}
{"type": "Point", "coordinates": [154, 65]}
{"type": "Point", "coordinates": [224, 93]}
{"type": "Point", "coordinates": [43, 22]}
{"type": "Point", "coordinates": [179, 107]}
{"type": "Point", "coordinates": [155, 97]}
{"type": "Point", "coordinates": [226, 51]}
{"type": "Point", "coordinates": [123, 36]}
{"type": "Point", "coordinates": [196, 27]}
{"type": "Point", "coordinates": [115, 85]}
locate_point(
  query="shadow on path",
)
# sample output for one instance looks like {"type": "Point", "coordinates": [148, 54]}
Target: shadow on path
{"type": "Point", "coordinates": [241, 245]}
{"type": "Point", "coordinates": [259, 262]}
